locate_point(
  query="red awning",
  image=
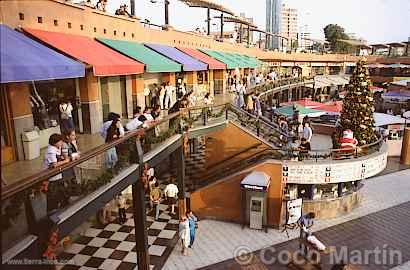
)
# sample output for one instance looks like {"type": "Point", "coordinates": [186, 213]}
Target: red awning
{"type": "Point", "coordinates": [212, 63]}
{"type": "Point", "coordinates": [105, 61]}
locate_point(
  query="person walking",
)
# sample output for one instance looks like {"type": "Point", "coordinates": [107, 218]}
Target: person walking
{"type": "Point", "coordinates": [193, 225]}
{"type": "Point", "coordinates": [161, 96]}
{"type": "Point", "coordinates": [121, 203]}
{"type": "Point", "coordinates": [184, 235]}
{"type": "Point", "coordinates": [155, 198]}
{"type": "Point", "coordinates": [171, 192]}
{"type": "Point", "coordinates": [168, 95]}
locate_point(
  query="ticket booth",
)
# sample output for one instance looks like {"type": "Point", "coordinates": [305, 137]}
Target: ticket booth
{"type": "Point", "coordinates": [254, 208]}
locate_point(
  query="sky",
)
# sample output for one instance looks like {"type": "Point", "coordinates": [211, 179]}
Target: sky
{"type": "Point", "coordinates": [377, 21]}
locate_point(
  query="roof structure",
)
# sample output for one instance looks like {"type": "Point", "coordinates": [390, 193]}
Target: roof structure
{"type": "Point", "coordinates": [207, 4]}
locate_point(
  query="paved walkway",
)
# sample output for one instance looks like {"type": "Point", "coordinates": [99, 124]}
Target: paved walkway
{"type": "Point", "coordinates": [216, 241]}
{"type": "Point", "coordinates": [386, 231]}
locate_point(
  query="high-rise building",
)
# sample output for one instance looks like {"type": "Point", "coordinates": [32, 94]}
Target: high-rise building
{"type": "Point", "coordinates": [273, 21]}
{"type": "Point", "coordinates": [305, 41]}
{"type": "Point", "coordinates": [289, 26]}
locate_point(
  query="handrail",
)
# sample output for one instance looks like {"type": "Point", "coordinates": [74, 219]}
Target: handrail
{"type": "Point", "coordinates": [28, 182]}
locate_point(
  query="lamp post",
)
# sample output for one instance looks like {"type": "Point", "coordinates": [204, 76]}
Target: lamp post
{"type": "Point", "coordinates": [222, 26]}
{"type": "Point", "coordinates": [208, 20]}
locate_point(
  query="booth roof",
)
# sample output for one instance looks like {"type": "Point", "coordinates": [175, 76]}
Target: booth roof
{"type": "Point", "coordinates": [383, 119]}
{"type": "Point", "coordinates": [259, 179]}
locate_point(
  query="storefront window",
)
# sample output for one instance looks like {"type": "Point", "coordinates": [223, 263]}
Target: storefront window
{"type": "Point", "coordinates": [45, 98]}
{"type": "Point", "coordinates": [305, 192]}
{"type": "Point", "coordinates": [327, 191]}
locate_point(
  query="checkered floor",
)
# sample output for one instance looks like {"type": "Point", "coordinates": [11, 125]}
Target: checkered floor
{"type": "Point", "coordinates": [113, 246]}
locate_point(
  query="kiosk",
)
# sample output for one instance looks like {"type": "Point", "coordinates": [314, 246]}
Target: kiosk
{"type": "Point", "coordinates": [254, 189]}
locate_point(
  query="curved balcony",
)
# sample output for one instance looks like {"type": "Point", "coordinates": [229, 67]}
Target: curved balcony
{"type": "Point", "coordinates": [25, 202]}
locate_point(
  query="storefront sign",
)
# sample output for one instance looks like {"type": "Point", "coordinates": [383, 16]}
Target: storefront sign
{"type": "Point", "coordinates": [287, 64]}
{"type": "Point", "coordinates": [335, 172]}
{"type": "Point", "coordinates": [318, 64]}
{"type": "Point", "coordinates": [294, 211]}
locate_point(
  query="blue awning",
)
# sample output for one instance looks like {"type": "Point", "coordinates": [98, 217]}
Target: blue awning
{"type": "Point", "coordinates": [23, 59]}
{"type": "Point", "coordinates": [188, 63]}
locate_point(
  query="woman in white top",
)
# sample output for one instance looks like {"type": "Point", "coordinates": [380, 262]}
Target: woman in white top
{"type": "Point", "coordinates": [66, 116]}
{"type": "Point", "coordinates": [184, 235]}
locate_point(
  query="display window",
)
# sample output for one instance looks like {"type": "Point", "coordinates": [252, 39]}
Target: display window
{"type": "Point", "coordinates": [45, 99]}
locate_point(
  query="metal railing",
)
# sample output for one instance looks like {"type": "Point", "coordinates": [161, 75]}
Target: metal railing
{"type": "Point", "coordinates": [90, 171]}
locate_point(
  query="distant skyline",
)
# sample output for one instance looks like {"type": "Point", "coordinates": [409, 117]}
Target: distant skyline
{"type": "Point", "coordinates": [377, 21]}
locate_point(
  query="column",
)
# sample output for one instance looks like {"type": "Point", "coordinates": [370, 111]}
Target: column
{"type": "Point", "coordinates": [138, 201]}
{"type": "Point", "coordinates": [169, 77]}
{"type": "Point", "coordinates": [21, 114]}
{"type": "Point", "coordinates": [138, 98]}
{"type": "Point", "coordinates": [192, 80]}
{"type": "Point", "coordinates": [181, 180]}
{"type": "Point", "coordinates": [405, 148]}
{"type": "Point", "coordinates": [90, 102]}
{"type": "Point", "coordinates": [211, 82]}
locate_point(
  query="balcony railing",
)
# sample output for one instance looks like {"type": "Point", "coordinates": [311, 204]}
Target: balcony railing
{"type": "Point", "coordinates": [37, 196]}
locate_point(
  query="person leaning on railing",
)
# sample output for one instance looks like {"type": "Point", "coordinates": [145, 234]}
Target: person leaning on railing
{"type": "Point", "coordinates": [53, 158]}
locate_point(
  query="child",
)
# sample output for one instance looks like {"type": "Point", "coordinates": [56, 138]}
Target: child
{"type": "Point", "coordinates": [121, 202]}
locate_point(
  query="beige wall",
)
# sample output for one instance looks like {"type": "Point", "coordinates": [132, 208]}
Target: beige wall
{"type": "Point", "coordinates": [213, 202]}
{"type": "Point", "coordinates": [126, 29]}
{"type": "Point", "coordinates": [114, 94]}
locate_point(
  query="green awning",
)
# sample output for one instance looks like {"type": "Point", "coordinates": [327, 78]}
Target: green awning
{"type": "Point", "coordinates": [154, 62]}
{"type": "Point", "coordinates": [252, 62]}
{"type": "Point", "coordinates": [241, 62]}
{"type": "Point", "coordinates": [230, 64]}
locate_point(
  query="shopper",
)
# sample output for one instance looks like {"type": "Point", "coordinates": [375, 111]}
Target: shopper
{"type": "Point", "coordinates": [208, 99]}
{"type": "Point", "coordinates": [184, 235]}
{"type": "Point", "coordinates": [66, 116]}
{"type": "Point", "coordinates": [70, 151]}
{"type": "Point", "coordinates": [121, 203]}
{"type": "Point", "coordinates": [171, 192]}
{"type": "Point", "coordinates": [168, 95]}
{"type": "Point", "coordinates": [111, 117]}
{"type": "Point", "coordinates": [113, 133]}
{"type": "Point", "coordinates": [134, 123]}
{"type": "Point", "coordinates": [53, 158]}
{"type": "Point", "coordinates": [193, 225]}
{"type": "Point", "coordinates": [161, 96]}
{"type": "Point", "coordinates": [307, 132]}
{"type": "Point", "coordinates": [155, 198]}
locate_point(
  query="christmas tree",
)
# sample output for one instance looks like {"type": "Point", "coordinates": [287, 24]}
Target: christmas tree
{"type": "Point", "coordinates": [358, 106]}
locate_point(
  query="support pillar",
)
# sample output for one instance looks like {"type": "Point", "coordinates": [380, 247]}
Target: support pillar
{"type": "Point", "coordinates": [166, 2]}
{"type": "Point", "coordinates": [91, 106]}
{"type": "Point", "coordinates": [222, 26]}
{"type": "Point", "coordinates": [208, 20]}
{"type": "Point", "coordinates": [181, 180]}
{"type": "Point", "coordinates": [138, 201]}
{"type": "Point", "coordinates": [405, 148]}
{"type": "Point", "coordinates": [249, 35]}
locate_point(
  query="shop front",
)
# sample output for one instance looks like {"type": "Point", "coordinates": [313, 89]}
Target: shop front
{"type": "Point", "coordinates": [31, 87]}
{"type": "Point", "coordinates": [107, 85]}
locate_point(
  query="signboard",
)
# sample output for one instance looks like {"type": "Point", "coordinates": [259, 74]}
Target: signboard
{"type": "Point", "coordinates": [334, 171]}
{"type": "Point", "coordinates": [294, 211]}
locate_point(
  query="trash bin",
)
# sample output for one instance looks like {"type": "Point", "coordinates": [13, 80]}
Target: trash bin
{"type": "Point", "coordinates": [31, 145]}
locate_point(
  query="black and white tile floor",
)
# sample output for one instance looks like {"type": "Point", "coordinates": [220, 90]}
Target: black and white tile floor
{"type": "Point", "coordinates": [112, 246]}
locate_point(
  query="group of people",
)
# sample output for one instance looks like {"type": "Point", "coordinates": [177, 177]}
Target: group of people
{"type": "Point", "coordinates": [61, 149]}
{"type": "Point", "coordinates": [187, 231]}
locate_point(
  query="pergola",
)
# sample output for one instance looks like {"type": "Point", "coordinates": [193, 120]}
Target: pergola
{"type": "Point", "coordinates": [209, 5]}
{"type": "Point", "coordinates": [241, 22]}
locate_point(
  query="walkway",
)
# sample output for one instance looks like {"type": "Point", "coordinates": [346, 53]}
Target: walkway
{"type": "Point", "coordinates": [216, 241]}
{"type": "Point", "coordinates": [386, 230]}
